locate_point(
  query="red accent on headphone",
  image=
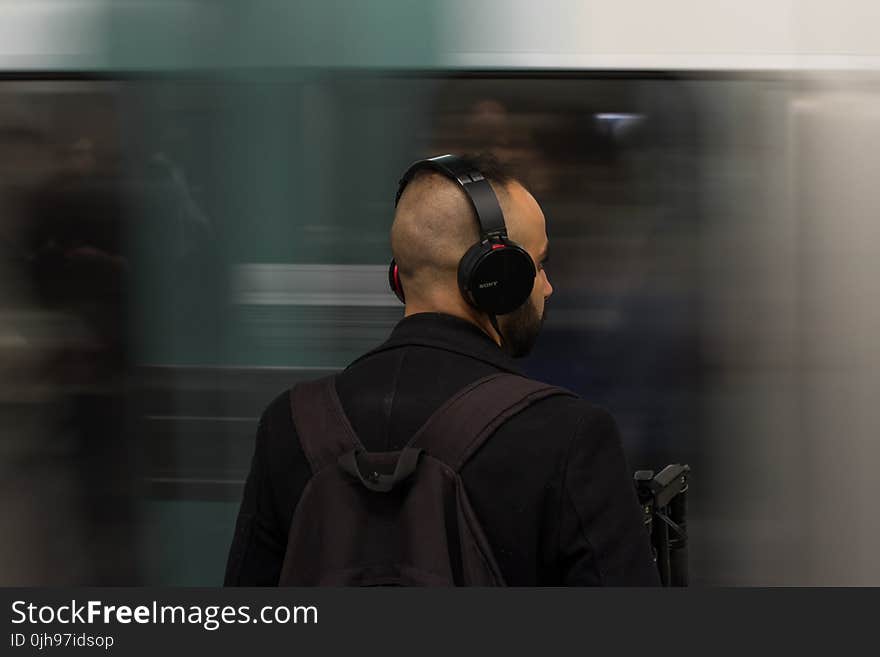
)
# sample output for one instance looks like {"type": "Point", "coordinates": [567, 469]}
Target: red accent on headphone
{"type": "Point", "coordinates": [397, 281]}
{"type": "Point", "coordinates": [497, 246]}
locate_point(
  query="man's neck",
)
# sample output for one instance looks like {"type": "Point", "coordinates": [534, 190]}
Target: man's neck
{"type": "Point", "coordinates": [478, 319]}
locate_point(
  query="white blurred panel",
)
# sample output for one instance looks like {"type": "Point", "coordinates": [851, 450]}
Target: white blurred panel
{"type": "Point", "coordinates": [50, 34]}
{"type": "Point", "coordinates": [312, 285]}
{"type": "Point", "coordinates": [678, 34]}
{"type": "Point", "coordinates": [628, 34]}
{"type": "Point", "coordinates": [837, 168]}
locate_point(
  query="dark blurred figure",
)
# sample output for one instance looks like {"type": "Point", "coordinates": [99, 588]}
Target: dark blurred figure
{"type": "Point", "coordinates": [38, 513]}
{"type": "Point", "coordinates": [75, 236]}
{"type": "Point", "coordinates": [76, 239]}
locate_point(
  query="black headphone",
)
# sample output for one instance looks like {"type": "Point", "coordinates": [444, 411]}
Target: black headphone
{"type": "Point", "coordinates": [495, 275]}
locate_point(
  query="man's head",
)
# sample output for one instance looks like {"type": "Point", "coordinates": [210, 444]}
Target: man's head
{"type": "Point", "coordinates": [433, 227]}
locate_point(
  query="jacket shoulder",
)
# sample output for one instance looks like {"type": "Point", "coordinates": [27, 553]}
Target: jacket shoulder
{"type": "Point", "coordinates": [569, 411]}
{"type": "Point", "coordinates": [556, 426]}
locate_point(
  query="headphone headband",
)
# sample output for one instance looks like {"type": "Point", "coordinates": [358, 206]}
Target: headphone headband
{"type": "Point", "coordinates": [476, 187]}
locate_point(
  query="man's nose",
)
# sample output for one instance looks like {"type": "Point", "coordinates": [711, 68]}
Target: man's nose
{"type": "Point", "coordinates": [548, 289]}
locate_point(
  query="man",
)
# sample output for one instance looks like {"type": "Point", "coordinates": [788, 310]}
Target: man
{"type": "Point", "coordinates": [551, 487]}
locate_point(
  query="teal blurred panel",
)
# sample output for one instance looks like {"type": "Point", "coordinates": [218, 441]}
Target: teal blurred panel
{"type": "Point", "coordinates": [344, 33]}
{"type": "Point", "coordinates": [187, 541]}
{"type": "Point", "coordinates": [289, 139]}
{"type": "Point", "coordinates": [196, 34]}
{"type": "Point", "coordinates": [303, 152]}
{"type": "Point", "coordinates": [166, 35]}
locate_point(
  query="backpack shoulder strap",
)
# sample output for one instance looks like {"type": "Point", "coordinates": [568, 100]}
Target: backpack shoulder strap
{"type": "Point", "coordinates": [463, 423]}
{"type": "Point", "coordinates": [323, 429]}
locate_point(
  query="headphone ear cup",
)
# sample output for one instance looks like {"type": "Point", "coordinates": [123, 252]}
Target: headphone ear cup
{"type": "Point", "coordinates": [496, 277]}
{"type": "Point", "coordinates": [394, 281]}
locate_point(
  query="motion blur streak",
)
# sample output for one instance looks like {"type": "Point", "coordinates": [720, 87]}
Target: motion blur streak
{"type": "Point", "coordinates": [195, 200]}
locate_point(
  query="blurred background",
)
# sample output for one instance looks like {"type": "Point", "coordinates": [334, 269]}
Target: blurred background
{"type": "Point", "coordinates": [195, 200]}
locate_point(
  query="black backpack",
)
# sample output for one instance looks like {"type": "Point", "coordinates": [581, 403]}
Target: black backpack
{"type": "Point", "coordinates": [396, 518]}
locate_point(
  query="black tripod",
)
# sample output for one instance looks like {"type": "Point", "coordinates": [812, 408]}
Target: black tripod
{"type": "Point", "coordinates": [664, 504]}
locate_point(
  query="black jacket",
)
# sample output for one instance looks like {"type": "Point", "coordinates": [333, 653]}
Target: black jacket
{"type": "Point", "coordinates": [551, 488]}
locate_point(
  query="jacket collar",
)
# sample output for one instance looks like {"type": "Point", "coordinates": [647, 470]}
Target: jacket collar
{"type": "Point", "coordinates": [441, 331]}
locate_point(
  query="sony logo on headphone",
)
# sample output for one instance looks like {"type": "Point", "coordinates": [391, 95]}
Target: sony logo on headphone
{"type": "Point", "coordinates": [489, 284]}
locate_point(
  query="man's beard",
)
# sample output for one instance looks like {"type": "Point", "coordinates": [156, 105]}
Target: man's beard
{"type": "Point", "coordinates": [520, 329]}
